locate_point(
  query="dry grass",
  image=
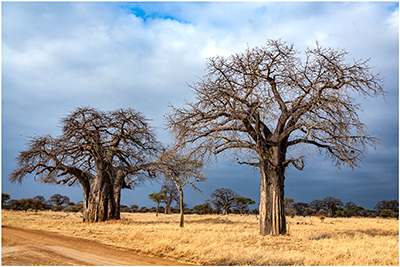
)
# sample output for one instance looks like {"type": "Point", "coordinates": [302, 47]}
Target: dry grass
{"type": "Point", "coordinates": [233, 239]}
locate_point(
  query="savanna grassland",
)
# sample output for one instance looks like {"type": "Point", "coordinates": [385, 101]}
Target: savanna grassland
{"type": "Point", "coordinates": [231, 239]}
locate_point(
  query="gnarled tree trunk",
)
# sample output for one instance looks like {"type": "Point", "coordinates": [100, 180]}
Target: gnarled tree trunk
{"type": "Point", "coordinates": [272, 210]}
{"type": "Point", "coordinates": [100, 203]}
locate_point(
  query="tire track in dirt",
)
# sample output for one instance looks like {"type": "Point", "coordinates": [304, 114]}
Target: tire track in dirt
{"type": "Point", "coordinates": [37, 247]}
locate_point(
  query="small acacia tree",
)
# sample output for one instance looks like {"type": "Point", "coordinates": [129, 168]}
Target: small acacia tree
{"type": "Point", "coordinates": [157, 198]}
{"type": "Point", "coordinates": [242, 203]}
{"type": "Point", "coordinates": [181, 170]}
{"type": "Point", "coordinates": [272, 106]}
{"type": "Point", "coordinates": [102, 151]}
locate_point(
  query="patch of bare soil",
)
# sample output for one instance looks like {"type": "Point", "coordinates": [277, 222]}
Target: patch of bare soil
{"type": "Point", "coordinates": [35, 247]}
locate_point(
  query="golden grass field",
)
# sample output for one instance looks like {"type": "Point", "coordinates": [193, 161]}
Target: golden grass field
{"type": "Point", "coordinates": [232, 239]}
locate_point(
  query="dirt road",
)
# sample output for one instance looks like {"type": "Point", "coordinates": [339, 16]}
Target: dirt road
{"type": "Point", "coordinates": [35, 247]}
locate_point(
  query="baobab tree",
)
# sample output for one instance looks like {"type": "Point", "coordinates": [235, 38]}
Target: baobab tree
{"type": "Point", "coordinates": [330, 204]}
{"type": "Point", "coordinates": [271, 106]}
{"type": "Point", "coordinates": [102, 151]}
{"type": "Point", "coordinates": [170, 191]}
{"type": "Point", "coordinates": [57, 199]}
{"type": "Point", "coordinates": [181, 170]}
{"type": "Point", "coordinates": [223, 198]}
{"type": "Point", "coordinates": [317, 205]}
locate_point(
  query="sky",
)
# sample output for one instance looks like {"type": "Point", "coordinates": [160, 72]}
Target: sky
{"type": "Point", "coordinates": [58, 56]}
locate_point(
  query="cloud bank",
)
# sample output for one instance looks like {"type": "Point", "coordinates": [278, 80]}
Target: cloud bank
{"type": "Point", "coordinates": [59, 56]}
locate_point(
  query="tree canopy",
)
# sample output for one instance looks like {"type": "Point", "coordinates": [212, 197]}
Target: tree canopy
{"type": "Point", "coordinates": [102, 151]}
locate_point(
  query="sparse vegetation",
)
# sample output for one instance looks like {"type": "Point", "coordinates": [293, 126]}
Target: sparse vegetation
{"type": "Point", "coordinates": [232, 239]}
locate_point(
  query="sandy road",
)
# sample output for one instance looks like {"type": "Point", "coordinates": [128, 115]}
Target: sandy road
{"type": "Point", "coordinates": [35, 247]}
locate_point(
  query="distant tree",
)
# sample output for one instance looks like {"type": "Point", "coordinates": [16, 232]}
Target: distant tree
{"type": "Point", "coordinates": [203, 208]}
{"type": "Point", "coordinates": [58, 200]}
{"type": "Point", "coordinates": [255, 211]}
{"type": "Point", "coordinates": [73, 207]}
{"type": "Point", "coordinates": [386, 213]}
{"type": "Point", "coordinates": [223, 198]}
{"type": "Point", "coordinates": [387, 204]}
{"type": "Point", "coordinates": [317, 205]}
{"type": "Point", "coordinates": [29, 203]}
{"type": "Point", "coordinates": [171, 193]}
{"type": "Point", "coordinates": [4, 198]}
{"type": "Point", "coordinates": [157, 198]}
{"type": "Point", "coordinates": [368, 213]}
{"type": "Point", "coordinates": [143, 209]}
{"type": "Point", "coordinates": [242, 203]}
{"type": "Point", "coordinates": [181, 170]}
{"type": "Point", "coordinates": [338, 212]}
{"type": "Point", "coordinates": [274, 106]}
{"type": "Point", "coordinates": [309, 212]}
{"type": "Point", "coordinates": [288, 202]}
{"type": "Point", "coordinates": [134, 208]}
{"type": "Point", "coordinates": [299, 208]}
{"type": "Point", "coordinates": [102, 151]}
{"type": "Point", "coordinates": [349, 205]}
{"type": "Point", "coordinates": [41, 198]}
{"type": "Point", "coordinates": [356, 211]}
{"type": "Point", "coordinates": [125, 208]}
{"type": "Point", "coordinates": [330, 204]}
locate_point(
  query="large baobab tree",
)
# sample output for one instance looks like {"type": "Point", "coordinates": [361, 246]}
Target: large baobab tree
{"type": "Point", "coordinates": [271, 105]}
{"type": "Point", "coordinates": [181, 170]}
{"type": "Point", "coordinates": [102, 151]}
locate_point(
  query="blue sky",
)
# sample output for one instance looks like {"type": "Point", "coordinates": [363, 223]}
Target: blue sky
{"type": "Point", "coordinates": [59, 56]}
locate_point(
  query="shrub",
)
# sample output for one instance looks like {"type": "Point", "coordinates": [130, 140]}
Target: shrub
{"type": "Point", "coordinates": [386, 213]}
{"type": "Point", "coordinates": [73, 208]}
{"type": "Point", "coordinates": [57, 208]}
{"type": "Point", "coordinates": [124, 208]}
{"type": "Point", "coordinates": [28, 203]}
{"type": "Point", "coordinates": [255, 211]}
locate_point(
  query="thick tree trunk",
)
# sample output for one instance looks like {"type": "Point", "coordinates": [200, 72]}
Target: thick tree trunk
{"type": "Point", "coordinates": [167, 208]}
{"type": "Point", "coordinates": [272, 210]}
{"type": "Point", "coordinates": [168, 205]}
{"type": "Point", "coordinates": [117, 202]}
{"type": "Point", "coordinates": [224, 210]}
{"type": "Point", "coordinates": [181, 223]}
{"type": "Point", "coordinates": [99, 200]}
